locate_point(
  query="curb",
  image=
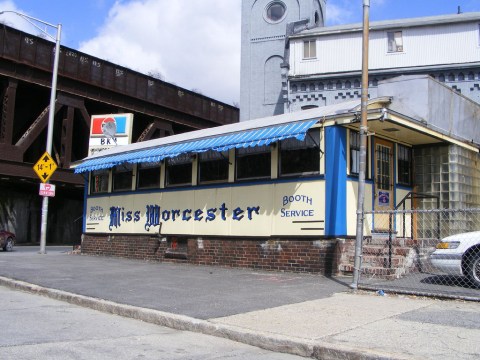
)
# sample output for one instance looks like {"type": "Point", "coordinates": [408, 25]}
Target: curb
{"type": "Point", "coordinates": [276, 343]}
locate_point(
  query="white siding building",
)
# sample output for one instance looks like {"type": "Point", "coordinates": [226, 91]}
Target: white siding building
{"type": "Point", "coordinates": [445, 47]}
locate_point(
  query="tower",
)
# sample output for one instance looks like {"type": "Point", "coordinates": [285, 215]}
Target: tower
{"type": "Point", "coordinates": [266, 25]}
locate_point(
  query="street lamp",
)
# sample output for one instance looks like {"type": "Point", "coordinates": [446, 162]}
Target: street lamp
{"type": "Point", "coordinates": [51, 112]}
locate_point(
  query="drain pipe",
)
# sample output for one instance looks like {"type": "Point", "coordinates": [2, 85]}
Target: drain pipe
{"type": "Point", "coordinates": [363, 149]}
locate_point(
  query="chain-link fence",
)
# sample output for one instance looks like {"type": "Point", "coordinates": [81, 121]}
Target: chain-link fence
{"type": "Point", "coordinates": [423, 252]}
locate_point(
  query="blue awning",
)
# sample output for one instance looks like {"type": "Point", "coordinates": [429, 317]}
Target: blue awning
{"type": "Point", "coordinates": [248, 138]}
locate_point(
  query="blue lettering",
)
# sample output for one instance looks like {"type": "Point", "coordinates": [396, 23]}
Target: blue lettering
{"type": "Point", "coordinates": [175, 213]}
{"type": "Point", "coordinates": [186, 217]}
{"type": "Point", "coordinates": [198, 215]}
{"type": "Point", "coordinates": [136, 216]}
{"type": "Point", "coordinates": [165, 215]}
{"type": "Point", "coordinates": [152, 216]}
{"type": "Point", "coordinates": [223, 209]}
{"type": "Point", "coordinates": [211, 214]}
{"type": "Point", "coordinates": [251, 210]}
{"type": "Point", "coordinates": [237, 214]}
{"type": "Point", "coordinates": [128, 218]}
{"type": "Point", "coordinates": [114, 218]}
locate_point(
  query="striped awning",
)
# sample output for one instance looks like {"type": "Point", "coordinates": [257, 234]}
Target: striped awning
{"type": "Point", "coordinates": [243, 139]}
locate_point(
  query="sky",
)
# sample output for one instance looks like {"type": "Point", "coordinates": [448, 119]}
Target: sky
{"type": "Point", "coordinates": [194, 44]}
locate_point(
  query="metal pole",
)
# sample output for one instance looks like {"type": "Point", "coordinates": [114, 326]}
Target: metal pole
{"type": "Point", "coordinates": [363, 149]}
{"type": "Point", "coordinates": [51, 116]}
{"type": "Point", "coordinates": [51, 112]}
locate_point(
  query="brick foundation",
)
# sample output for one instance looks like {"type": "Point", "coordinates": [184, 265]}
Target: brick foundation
{"type": "Point", "coordinates": [314, 256]}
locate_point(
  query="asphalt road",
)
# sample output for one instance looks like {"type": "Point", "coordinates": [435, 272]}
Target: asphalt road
{"type": "Point", "coordinates": [35, 327]}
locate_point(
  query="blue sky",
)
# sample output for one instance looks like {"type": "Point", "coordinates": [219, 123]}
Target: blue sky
{"type": "Point", "coordinates": [184, 40]}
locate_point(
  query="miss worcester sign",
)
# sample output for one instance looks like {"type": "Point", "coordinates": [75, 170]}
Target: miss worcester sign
{"type": "Point", "coordinates": [263, 210]}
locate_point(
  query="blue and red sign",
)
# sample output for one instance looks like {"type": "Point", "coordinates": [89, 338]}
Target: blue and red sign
{"type": "Point", "coordinates": [99, 122]}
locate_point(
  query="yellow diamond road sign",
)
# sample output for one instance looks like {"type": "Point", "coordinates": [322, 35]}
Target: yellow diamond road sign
{"type": "Point", "coordinates": [45, 167]}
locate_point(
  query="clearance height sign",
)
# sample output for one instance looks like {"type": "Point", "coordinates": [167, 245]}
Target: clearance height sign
{"type": "Point", "coordinates": [263, 210]}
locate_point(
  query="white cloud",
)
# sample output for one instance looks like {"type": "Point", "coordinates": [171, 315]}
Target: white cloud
{"type": "Point", "coordinates": [192, 43]}
{"type": "Point", "coordinates": [17, 22]}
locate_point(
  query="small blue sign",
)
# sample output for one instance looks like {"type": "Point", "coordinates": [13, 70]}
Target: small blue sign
{"type": "Point", "coordinates": [383, 198]}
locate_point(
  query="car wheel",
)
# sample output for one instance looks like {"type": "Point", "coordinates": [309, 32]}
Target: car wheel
{"type": "Point", "coordinates": [8, 245]}
{"type": "Point", "coordinates": [473, 268]}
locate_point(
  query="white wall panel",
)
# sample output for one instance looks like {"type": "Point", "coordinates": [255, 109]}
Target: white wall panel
{"type": "Point", "coordinates": [423, 46]}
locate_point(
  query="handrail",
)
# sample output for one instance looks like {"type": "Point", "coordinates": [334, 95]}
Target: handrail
{"type": "Point", "coordinates": [410, 196]}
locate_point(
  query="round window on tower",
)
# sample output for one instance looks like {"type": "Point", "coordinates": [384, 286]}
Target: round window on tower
{"type": "Point", "coordinates": [275, 11]}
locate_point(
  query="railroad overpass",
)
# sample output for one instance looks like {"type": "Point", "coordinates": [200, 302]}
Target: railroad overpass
{"type": "Point", "coordinates": [86, 86]}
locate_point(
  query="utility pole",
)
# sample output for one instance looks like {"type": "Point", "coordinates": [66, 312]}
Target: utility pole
{"type": "Point", "coordinates": [363, 148]}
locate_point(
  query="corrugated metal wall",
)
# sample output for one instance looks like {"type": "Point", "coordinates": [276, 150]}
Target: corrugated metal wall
{"type": "Point", "coordinates": [423, 46]}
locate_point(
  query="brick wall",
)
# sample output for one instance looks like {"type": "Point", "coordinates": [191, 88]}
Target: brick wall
{"type": "Point", "coordinates": [315, 256]}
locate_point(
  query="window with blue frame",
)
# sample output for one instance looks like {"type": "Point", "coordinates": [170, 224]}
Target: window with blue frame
{"type": "Point", "coordinates": [354, 153]}
{"type": "Point", "coordinates": [122, 177]}
{"type": "Point", "coordinates": [148, 175]}
{"type": "Point", "coordinates": [99, 181]}
{"type": "Point", "coordinates": [179, 170]}
{"type": "Point", "coordinates": [300, 157]}
{"type": "Point", "coordinates": [213, 166]}
{"type": "Point", "coordinates": [404, 165]}
{"type": "Point", "coordinates": [253, 163]}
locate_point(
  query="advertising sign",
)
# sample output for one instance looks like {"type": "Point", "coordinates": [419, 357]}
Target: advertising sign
{"type": "Point", "coordinates": [264, 210]}
{"type": "Point", "coordinates": [107, 131]}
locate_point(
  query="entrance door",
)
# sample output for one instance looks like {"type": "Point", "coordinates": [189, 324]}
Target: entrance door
{"type": "Point", "coordinates": [383, 189]}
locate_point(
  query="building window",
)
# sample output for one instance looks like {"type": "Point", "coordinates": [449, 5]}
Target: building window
{"type": "Point", "coordinates": [309, 49]}
{"type": "Point", "coordinates": [395, 41]}
{"type": "Point", "coordinates": [294, 88]}
{"type": "Point", "coordinates": [348, 84]}
{"type": "Point", "coordinates": [99, 181]}
{"type": "Point", "coordinates": [122, 177]}
{"type": "Point", "coordinates": [404, 165]}
{"type": "Point", "coordinates": [213, 166]}
{"type": "Point", "coordinates": [275, 11]}
{"type": "Point", "coordinates": [300, 157]}
{"type": "Point", "coordinates": [451, 77]}
{"type": "Point", "coordinates": [354, 153]}
{"type": "Point", "coordinates": [148, 175]}
{"type": "Point", "coordinates": [253, 162]}
{"type": "Point", "coordinates": [179, 170]}
{"type": "Point", "coordinates": [356, 83]}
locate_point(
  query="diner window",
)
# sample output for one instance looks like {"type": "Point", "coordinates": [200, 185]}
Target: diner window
{"type": "Point", "coordinates": [253, 162]}
{"type": "Point", "coordinates": [99, 181]}
{"type": "Point", "coordinates": [404, 165]}
{"type": "Point", "coordinates": [148, 175]}
{"type": "Point", "coordinates": [300, 157]}
{"type": "Point", "coordinates": [179, 170]}
{"type": "Point", "coordinates": [122, 177]}
{"type": "Point", "coordinates": [213, 166]}
{"type": "Point", "coordinates": [309, 49]}
{"type": "Point", "coordinates": [395, 41]}
{"type": "Point", "coordinates": [354, 153]}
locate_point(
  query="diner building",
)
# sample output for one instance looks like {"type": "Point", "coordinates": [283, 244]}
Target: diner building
{"type": "Point", "coordinates": [280, 193]}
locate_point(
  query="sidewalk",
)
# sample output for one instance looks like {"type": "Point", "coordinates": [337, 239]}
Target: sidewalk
{"type": "Point", "coordinates": [302, 314]}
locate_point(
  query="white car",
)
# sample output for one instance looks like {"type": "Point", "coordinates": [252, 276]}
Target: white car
{"type": "Point", "coordinates": [459, 255]}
